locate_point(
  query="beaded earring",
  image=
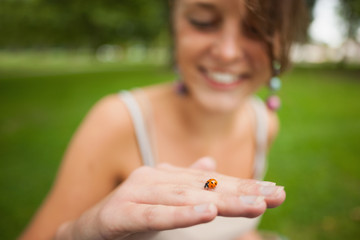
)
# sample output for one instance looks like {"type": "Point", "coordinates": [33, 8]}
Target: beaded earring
{"type": "Point", "coordinates": [273, 101]}
{"type": "Point", "coordinates": [179, 85]}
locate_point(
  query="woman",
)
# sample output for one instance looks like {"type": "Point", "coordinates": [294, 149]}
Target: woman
{"type": "Point", "coordinates": [225, 50]}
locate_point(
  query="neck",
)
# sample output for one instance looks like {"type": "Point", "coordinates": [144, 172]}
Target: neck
{"type": "Point", "coordinates": [208, 124]}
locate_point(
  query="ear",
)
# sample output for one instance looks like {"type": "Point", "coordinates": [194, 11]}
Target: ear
{"type": "Point", "coordinates": [204, 163]}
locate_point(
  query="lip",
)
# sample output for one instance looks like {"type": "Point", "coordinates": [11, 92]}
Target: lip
{"type": "Point", "coordinates": [223, 86]}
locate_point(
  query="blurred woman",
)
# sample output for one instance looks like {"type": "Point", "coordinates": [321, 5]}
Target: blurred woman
{"type": "Point", "coordinates": [183, 161]}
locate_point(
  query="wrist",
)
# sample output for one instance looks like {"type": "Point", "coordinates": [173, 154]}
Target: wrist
{"type": "Point", "coordinates": [80, 229]}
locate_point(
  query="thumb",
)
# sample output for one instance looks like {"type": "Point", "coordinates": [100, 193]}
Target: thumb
{"type": "Point", "coordinates": [204, 163]}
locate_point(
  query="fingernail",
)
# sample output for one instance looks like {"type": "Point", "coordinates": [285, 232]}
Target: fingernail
{"type": "Point", "coordinates": [265, 183]}
{"type": "Point", "coordinates": [251, 200]}
{"type": "Point", "coordinates": [270, 190]}
{"type": "Point", "coordinates": [201, 208]}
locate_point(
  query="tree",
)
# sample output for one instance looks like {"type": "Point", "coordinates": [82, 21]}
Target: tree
{"type": "Point", "coordinates": [350, 11]}
{"type": "Point", "coordinates": [83, 23]}
{"type": "Point", "coordinates": [74, 23]}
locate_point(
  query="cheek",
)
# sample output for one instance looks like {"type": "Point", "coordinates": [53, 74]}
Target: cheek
{"type": "Point", "coordinates": [190, 45]}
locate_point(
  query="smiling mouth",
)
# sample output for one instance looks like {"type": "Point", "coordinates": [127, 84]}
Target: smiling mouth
{"type": "Point", "coordinates": [224, 80]}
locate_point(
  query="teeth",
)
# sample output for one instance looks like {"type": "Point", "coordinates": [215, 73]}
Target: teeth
{"type": "Point", "coordinates": [224, 78]}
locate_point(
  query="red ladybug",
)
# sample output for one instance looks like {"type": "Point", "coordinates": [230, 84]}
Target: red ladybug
{"type": "Point", "coordinates": [210, 184]}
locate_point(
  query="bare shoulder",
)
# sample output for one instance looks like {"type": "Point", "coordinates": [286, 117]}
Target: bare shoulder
{"type": "Point", "coordinates": [108, 131]}
{"type": "Point", "coordinates": [108, 113]}
{"type": "Point", "coordinates": [273, 126]}
{"type": "Point", "coordinates": [102, 149]}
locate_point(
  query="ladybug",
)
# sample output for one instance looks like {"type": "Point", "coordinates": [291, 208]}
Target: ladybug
{"type": "Point", "coordinates": [210, 184]}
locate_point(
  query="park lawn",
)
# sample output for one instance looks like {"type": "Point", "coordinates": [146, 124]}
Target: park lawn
{"type": "Point", "coordinates": [315, 155]}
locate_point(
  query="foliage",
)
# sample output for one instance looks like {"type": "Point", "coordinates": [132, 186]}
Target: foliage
{"type": "Point", "coordinates": [74, 23]}
{"type": "Point", "coordinates": [81, 23]}
{"type": "Point", "coordinates": [350, 11]}
{"type": "Point", "coordinates": [310, 4]}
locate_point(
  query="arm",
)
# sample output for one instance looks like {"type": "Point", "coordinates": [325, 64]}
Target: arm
{"type": "Point", "coordinates": [86, 203]}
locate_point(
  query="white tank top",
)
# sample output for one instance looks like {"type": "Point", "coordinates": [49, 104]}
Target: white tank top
{"type": "Point", "coordinates": [221, 228]}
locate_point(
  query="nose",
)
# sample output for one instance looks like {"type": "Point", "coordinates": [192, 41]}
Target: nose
{"type": "Point", "coordinates": [227, 47]}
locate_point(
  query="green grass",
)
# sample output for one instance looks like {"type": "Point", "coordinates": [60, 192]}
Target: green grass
{"type": "Point", "coordinates": [316, 155]}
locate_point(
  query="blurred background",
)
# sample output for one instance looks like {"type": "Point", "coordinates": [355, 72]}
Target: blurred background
{"type": "Point", "coordinates": [57, 58]}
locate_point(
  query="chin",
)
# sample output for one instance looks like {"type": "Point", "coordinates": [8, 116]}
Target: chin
{"type": "Point", "coordinates": [220, 103]}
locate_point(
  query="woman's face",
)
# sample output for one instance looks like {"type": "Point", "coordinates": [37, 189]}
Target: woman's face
{"type": "Point", "coordinates": [220, 59]}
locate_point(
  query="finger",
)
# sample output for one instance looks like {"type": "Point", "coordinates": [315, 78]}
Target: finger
{"type": "Point", "coordinates": [274, 195]}
{"type": "Point", "coordinates": [194, 178]}
{"type": "Point", "coordinates": [205, 163]}
{"type": "Point", "coordinates": [145, 217]}
{"type": "Point", "coordinates": [183, 195]}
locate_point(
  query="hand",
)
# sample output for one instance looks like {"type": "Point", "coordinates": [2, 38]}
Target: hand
{"type": "Point", "coordinates": [168, 197]}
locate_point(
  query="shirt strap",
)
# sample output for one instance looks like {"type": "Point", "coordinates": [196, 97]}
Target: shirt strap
{"type": "Point", "coordinates": [141, 132]}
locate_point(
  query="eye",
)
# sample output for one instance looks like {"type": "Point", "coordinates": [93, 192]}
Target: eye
{"type": "Point", "coordinates": [204, 25]}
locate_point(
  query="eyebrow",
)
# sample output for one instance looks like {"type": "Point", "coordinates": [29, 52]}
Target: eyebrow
{"type": "Point", "coordinates": [203, 5]}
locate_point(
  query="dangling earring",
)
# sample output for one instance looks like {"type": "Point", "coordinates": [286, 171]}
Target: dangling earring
{"type": "Point", "coordinates": [179, 85]}
{"type": "Point", "coordinates": [273, 101]}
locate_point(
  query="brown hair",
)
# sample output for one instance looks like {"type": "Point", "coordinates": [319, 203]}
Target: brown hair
{"type": "Point", "coordinates": [279, 23]}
